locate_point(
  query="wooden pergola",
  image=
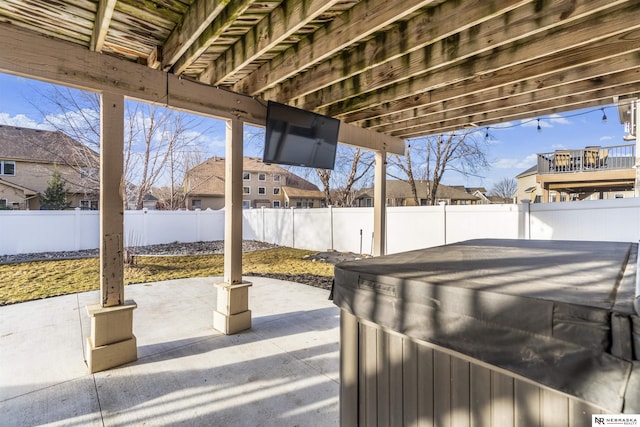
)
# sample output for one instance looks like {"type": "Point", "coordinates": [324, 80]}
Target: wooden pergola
{"type": "Point", "coordinates": [389, 70]}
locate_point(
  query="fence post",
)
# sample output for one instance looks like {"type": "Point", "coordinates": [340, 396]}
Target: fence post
{"type": "Point", "coordinates": [293, 227]}
{"type": "Point", "coordinates": [331, 224]}
{"type": "Point", "coordinates": [444, 222]}
{"type": "Point", "coordinates": [526, 219]}
{"type": "Point", "coordinates": [145, 234]}
{"type": "Point", "coordinates": [263, 225]}
{"type": "Point", "coordinates": [76, 229]}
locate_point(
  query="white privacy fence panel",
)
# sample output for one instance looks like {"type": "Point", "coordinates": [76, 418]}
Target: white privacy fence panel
{"type": "Point", "coordinates": [616, 220]}
{"type": "Point", "coordinates": [483, 221]}
{"type": "Point", "coordinates": [341, 229]}
{"type": "Point", "coordinates": [353, 230]}
{"type": "Point", "coordinates": [411, 228]}
{"type": "Point", "coordinates": [312, 228]}
{"type": "Point", "coordinates": [47, 231]}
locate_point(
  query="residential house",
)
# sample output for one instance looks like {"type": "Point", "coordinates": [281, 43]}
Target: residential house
{"type": "Point", "coordinates": [399, 194]}
{"type": "Point", "coordinates": [28, 158]}
{"type": "Point", "coordinates": [597, 172]}
{"type": "Point", "coordinates": [264, 185]}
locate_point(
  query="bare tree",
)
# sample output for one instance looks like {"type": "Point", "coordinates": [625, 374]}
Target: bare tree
{"type": "Point", "coordinates": [160, 144]}
{"type": "Point", "coordinates": [505, 189]}
{"type": "Point", "coordinates": [352, 165]}
{"type": "Point", "coordinates": [429, 158]}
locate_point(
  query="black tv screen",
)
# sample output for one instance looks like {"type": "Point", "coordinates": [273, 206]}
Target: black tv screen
{"type": "Point", "coordinates": [300, 138]}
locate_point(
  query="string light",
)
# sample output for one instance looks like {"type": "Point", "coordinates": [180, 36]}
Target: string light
{"type": "Point", "coordinates": [551, 118]}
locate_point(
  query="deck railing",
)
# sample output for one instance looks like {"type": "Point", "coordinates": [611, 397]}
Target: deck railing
{"type": "Point", "coordinates": [588, 159]}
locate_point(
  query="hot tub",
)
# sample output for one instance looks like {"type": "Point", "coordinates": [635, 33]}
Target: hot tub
{"type": "Point", "coordinates": [490, 332]}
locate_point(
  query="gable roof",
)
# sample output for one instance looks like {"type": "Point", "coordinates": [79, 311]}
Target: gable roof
{"type": "Point", "coordinates": [26, 190]}
{"type": "Point", "coordinates": [43, 146]}
{"type": "Point", "coordinates": [531, 171]}
{"type": "Point", "coordinates": [208, 177]}
{"type": "Point", "coordinates": [401, 189]}
{"type": "Point", "coordinates": [300, 193]}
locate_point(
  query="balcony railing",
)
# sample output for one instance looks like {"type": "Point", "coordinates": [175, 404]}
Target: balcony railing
{"type": "Point", "coordinates": [588, 159]}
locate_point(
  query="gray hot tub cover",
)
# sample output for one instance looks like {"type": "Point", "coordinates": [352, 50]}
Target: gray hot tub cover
{"type": "Point", "coordinates": [559, 313]}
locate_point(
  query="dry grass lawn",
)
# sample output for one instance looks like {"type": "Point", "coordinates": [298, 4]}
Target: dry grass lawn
{"type": "Point", "coordinates": [35, 280]}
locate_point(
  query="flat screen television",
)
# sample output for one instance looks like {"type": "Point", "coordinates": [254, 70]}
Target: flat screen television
{"type": "Point", "coordinates": [300, 138]}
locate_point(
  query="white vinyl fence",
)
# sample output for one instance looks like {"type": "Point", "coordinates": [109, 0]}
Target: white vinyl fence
{"type": "Point", "coordinates": [342, 229]}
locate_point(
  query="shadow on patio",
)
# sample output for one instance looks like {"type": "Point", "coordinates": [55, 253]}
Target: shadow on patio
{"type": "Point", "coordinates": [284, 371]}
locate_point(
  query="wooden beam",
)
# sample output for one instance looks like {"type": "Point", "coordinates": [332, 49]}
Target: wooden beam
{"type": "Point", "coordinates": [449, 48]}
{"type": "Point", "coordinates": [360, 137]}
{"type": "Point", "coordinates": [111, 200]}
{"type": "Point", "coordinates": [443, 99]}
{"type": "Point", "coordinates": [223, 21]}
{"type": "Point", "coordinates": [233, 202]}
{"type": "Point", "coordinates": [380, 205]}
{"type": "Point", "coordinates": [101, 24]}
{"type": "Point", "coordinates": [281, 23]}
{"type": "Point", "coordinates": [31, 55]}
{"type": "Point", "coordinates": [600, 97]}
{"type": "Point", "coordinates": [566, 40]}
{"type": "Point", "coordinates": [497, 101]}
{"type": "Point", "coordinates": [514, 76]}
{"type": "Point", "coordinates": [364, 19]}
{"type": "Point", "coordinates": [384, 52]}
{"type": "Point", "coordinates": [196, 20]}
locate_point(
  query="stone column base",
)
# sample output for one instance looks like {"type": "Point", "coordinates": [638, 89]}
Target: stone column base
{"type": "Point", "coordinates": [111, 342]}
{"type": "Point", "coordinates": [232, 312]}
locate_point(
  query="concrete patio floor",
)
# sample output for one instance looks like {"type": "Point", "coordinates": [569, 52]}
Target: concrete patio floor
{"type": "Point", "coordinates": [282, 372]}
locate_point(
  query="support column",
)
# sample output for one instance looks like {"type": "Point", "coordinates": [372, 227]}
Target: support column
{"type": "Point", "coordinates": [634, 131]}
{"type": "Point", "coordinates": [111, 342]}
{"type": "Point", "coordinates": [380, 204]}
{"type": "Point", "coordinates": [232, 312]}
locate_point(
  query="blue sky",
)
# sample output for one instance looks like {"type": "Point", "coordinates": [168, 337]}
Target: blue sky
{"type": "Point", "coordinates": [511, 147]}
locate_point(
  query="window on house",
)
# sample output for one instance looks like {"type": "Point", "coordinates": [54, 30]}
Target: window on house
{"type": "Point", "coordinates": [538, 199]}
{"type": "Point", "coordinates": [310, 204]}
{"type": "Point", "coordinates": [15, 205]}
{"type": "Point", "coordinates": [246, 190]}
{"type": "Point", "coordinates": [196, 204]}
{"type": "Point", "coordinates": [4, 203]}
{"type": "Point", "coordinates": [286, 204]}
{"type": "Point", "coordinates": [276, 191]}
{"type": "Point", "coordinates": [7, 168]}
{"type": "Point", "coordinates": [262, 177]}
{"type": "Point", "coordinates": [276, 178]}
{"type": "Point", "coordinates": [89, 205]}
{"type": "Point", "coordinates": [246, 176]}
{"type": "Point", "coordinates": [246, 204]}
{"type": "Point", "coordinates": [262, 190]}
{"type": "Point", "coordinates": [276, 203]}
{"type": "Point", "coordinates": [369, 202]}
{"type": "Point", "coordinates": [299, 204]}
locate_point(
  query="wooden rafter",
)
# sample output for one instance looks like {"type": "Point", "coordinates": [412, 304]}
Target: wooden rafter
{"type": "Point", "coordinates": [447, 49]}
{"type": "Point", "coordinates": [101, 24]}
{"type": "Point", "coordinates": [195, 21]}
{"type": "Point", "coordinates": [365, 18]}
{"type": "Point", "coordinates": [577, 44]}
{"type": "Point", "coordinates": [224, 20]}
{"type": "Point", "coordinates": [402, 68]}
{"type": "Point", "coordinates": [587, 99]}
{"type": "Point", "coordinates": [281, 23]}
{"type": "Point", "coordinates": [462, 64]}
{"type": "Point", "coordinates": [578, 80]}
{"type": "Point", "coordinates": [384, 53]}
